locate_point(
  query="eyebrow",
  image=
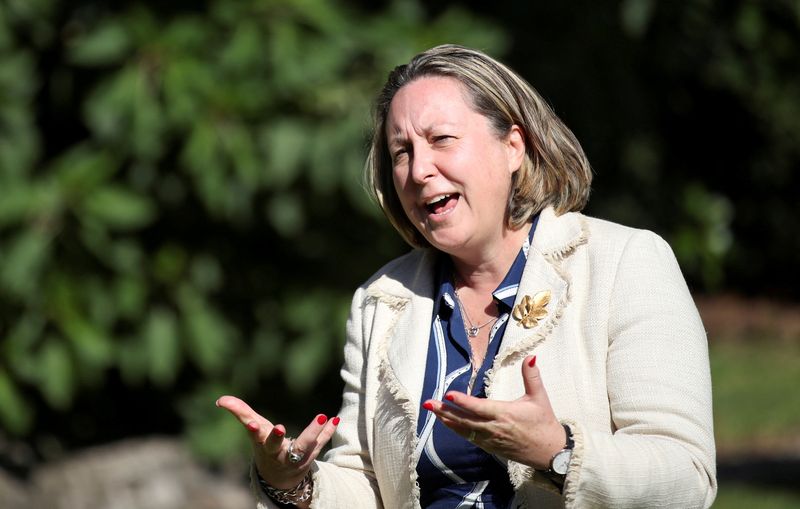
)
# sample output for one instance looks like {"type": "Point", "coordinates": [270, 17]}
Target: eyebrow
{"type": "Point", "coordinates": [396, 135]}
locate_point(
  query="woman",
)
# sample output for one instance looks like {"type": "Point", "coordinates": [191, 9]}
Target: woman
{"type": "Point", "coordinates": [523, 355]}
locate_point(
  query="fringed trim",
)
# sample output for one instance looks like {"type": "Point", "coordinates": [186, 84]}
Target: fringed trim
{"type": "Point", "coordinates": [396, 303]}
{"type": "Point", "coordinates": [316, 503]}
{"type": "Point", "coordinates": [570, 247]}
{"type": "Point", "coordinates": [528, 344]}
{"type": "Point", "coordinates": [519, 473]}
{"type": "Point", "coordinates": [391, 384]}
{"type": "Point", "coordinates": [575, 464]}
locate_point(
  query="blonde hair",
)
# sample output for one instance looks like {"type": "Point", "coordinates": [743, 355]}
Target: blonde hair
{"type": "Point", "coordinates": [555, 170]}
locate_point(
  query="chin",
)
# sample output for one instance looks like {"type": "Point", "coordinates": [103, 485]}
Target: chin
{"type": "Point", "coordinates": [447, 244]}
{"type": "Point", "coordinates": [444, 237]}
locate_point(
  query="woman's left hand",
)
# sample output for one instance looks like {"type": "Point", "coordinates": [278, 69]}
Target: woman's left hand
{"type": "Point", "coordinates": [525, 430]}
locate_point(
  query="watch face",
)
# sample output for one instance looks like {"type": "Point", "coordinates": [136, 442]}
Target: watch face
{"type": "Point", "coordinates": [561, 461]}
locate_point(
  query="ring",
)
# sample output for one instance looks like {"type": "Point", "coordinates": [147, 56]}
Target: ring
{"type": "Point", "coordinates": [471, 436]}
{"type": "Point", "coordinates": [294, 457]}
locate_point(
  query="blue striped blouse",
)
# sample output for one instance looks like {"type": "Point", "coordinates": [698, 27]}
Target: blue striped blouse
{"type": "Point", "coordinates": [453, 472]}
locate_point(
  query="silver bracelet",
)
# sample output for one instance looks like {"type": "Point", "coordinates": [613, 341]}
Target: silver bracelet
{"type": "Point", "coordinates": [299, 493]}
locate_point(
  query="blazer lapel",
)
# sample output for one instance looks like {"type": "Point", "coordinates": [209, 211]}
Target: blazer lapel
{"type": "Point", "coordinates": [555, 238]}
{"type": "Point", "coordinates": [407, 350]}
{"type": "Point", "coordinates": [539, 276]}
{"type": "Point", "coordinates": [409, 329]}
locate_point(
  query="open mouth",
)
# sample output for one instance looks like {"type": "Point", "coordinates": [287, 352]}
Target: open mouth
{"type": "Point", "coordinates": [442, 204]}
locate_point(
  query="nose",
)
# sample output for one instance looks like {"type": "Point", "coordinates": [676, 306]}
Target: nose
{"type": "Point", "coordinates": [422, 166]}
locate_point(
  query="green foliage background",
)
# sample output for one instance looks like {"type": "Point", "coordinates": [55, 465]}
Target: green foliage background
{"type": "Point", "coordinates": [181, 203]}
{"type": "Point", "coordinates": [182, 212]}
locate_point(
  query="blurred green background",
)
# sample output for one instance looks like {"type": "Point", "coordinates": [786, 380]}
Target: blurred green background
{"type": "Point", "coordinates": [182, 213]}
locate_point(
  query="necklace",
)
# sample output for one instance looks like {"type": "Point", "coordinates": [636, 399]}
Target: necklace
{"type": "Point", "coordinates": [472, 330]}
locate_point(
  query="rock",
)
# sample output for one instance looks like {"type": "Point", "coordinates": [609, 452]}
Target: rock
{"type": "Point", "coordinates": [13, 493]}
{"type": "Point", "coordinates": [156, 473]}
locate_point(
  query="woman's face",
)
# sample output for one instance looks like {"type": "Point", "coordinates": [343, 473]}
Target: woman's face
{"type": "Point", "coordinates": [451, 171]}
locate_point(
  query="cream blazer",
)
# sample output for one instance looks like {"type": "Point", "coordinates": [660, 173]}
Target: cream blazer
{"type": "Point", "coordinates": [622, 353]}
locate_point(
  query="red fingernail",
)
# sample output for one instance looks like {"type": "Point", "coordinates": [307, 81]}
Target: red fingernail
{"type": "Point", "coordinates": [532, 362]}
{"type": "Point", "coordinates": [321, 419]}
{"type": "Point", "coordinates": [252, 426]}
{"type": "Point", "coordinates": [336, 421]}
{"type": "Point", "coordinates": [449, 397]}
{"type": "Point", "coordinates": [278, 432]}
{"type": "Point", "coordinates": [427, 405]}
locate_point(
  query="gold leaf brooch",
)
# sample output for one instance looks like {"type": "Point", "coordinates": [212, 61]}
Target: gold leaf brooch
{"type": "Point", "coordinates": [531, 309]}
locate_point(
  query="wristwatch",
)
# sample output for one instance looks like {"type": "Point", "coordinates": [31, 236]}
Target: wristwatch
{"type": "Point", "coordinates": [559, 463]}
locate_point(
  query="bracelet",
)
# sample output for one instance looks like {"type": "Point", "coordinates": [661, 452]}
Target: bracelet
{"type": "Point", "coordinates": [299, 493]}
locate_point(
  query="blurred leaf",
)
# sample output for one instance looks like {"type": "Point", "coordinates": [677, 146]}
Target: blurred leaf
{"type": "Point", "coordinates": [237, 143]}
{"type": "Point", "coordinates": [57, 377]}
{"type": "Point", "coordinates": [323, 15]}
{"type": "Point", "coordinates": [188, 84]}
{"type": "Point", "coordinates": [119, 208]}
{"type": "Point", "coordinates": [91, 345]}
{"type": "Point", "coordinates": [19, 139]}
{"type": "Point", "coordinates": [125, 256]}
{"type": "Point", "coordinates": [320, 317]}
{"type": "Point", "coordinates": [459, 26]}
{"type": "Point", "coordinates": [286, 144]}
{"type": "Point", "coordinates": [29, 202]}
{"type": "Point", "coordinates": [265, 357]}
{"type": "Point", "coordinates": [244, 48]}
{"type": "Point", "coordinates": [107, 44]}
{"type": "Point", "coordinates": [323, 174]}
{"type": "Point", "coordinates": [186, 34]}
{"type": "Point", "coordinates": [100, 303]}
{"type": "Point", "coordinates": [15, 413]}
{"type": "Point", "coordinates": [308, 311]}
{"type": "Point", "coordinates": [107, 109]}
{"type": "Point", "coordinates": [24, 261]}
{"type": "Point", "coordinates": [636, 15]}
{"type": "Point", "coordinates": [133, 359]}
{"type": "Point", "coordinates": [82, 169]}
{"type": "Point", "coordinates": [170, 263]}
{"type": "Point", "coordinates": [161, 336]}
{"type": "Point", "coordinates": [209, 338]}
{"type": "Point", "coordinates": [206, 273]}
{"type": "Point", "coordinates": [702, 242]}
{"type": "Point", "coordinates": [18, 344]}
{"type": "Point", "coordinates": [147, 135]}
{"type": "Point", "coordinates": [130, 295]}
{"type": "Point", "coordinates": [213, 432]}
{"type": "Point", "coordinates": [200, 153]}
{"type": "Point", "coordinates": [305, 361]}
{"type": "Point", "coordinates": [749, 25]}
{"type": "Point", "coordinates": [34, 15]}
{"type": "Point", "coordinates": [5, 36]}
{"type": "Point", "coordinates": [285, 212]}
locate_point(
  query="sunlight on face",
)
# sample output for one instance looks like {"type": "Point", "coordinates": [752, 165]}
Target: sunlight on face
{"type": "Point", "coordinates": [451, 171]}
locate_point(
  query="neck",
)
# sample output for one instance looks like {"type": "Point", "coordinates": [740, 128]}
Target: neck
{"type": "Point", "coordinates": [485, 269]}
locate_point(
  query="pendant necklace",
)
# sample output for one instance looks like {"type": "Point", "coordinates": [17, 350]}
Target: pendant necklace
{"type": "Point", "coordinates": [472, 330]}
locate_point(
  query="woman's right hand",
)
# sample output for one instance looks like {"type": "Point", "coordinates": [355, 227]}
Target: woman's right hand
{"type": "Point", "coordinates": [271, 447]}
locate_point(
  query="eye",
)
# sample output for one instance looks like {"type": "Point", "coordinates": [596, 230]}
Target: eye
{"type": "Point", "coordinates": [442, 139]}
{"type": "Point", "coordinates": [399, 153]}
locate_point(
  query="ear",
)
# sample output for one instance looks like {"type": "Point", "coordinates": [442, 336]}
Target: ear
{"type": "Point", "coordinates": [515, 147]}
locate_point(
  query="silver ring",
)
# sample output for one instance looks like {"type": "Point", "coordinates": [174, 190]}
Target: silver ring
{"type": "Point", "coordinates": [294, 457]}
{"type": "Point", "coordinates": [471, 436]}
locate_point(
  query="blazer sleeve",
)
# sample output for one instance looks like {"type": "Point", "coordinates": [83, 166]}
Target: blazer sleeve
{"type": "Point", "coordinates": [662, 451]}
{"type": "Point", "coordinates": [345, 478]}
